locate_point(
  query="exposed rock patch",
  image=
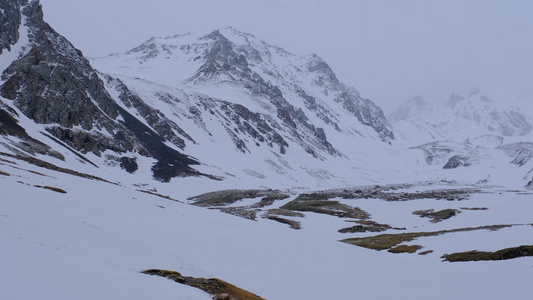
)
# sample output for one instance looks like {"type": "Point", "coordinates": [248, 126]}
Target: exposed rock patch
{"type": "Point", "coordinates": [436, 216]}
{"type": "Point", "coordinates": [219, 289]}
{"type": "Point", "coordinates": [311, 203]}
{"type": "Point", "coordinates": [227, 197]}
{"type": "Point", "coordinates": [387, 241]}
{"type": "Point", "coordinates": [292, 224]}
{"type": "Point", "coordinates": [368, 226]}
{"type": "Point", "coordinates": [405, 249]}
{"type": "Point", "coordinates": [504, 254]}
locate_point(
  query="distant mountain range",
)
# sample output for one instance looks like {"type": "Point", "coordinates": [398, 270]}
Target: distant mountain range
{"type": "Point", "coordinates": [463, 131]}
{"type": "Point", "coordinates": [459, 118]}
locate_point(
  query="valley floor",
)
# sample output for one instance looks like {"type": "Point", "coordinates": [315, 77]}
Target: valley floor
{"type": "Point", "coordinates": [68, 237]}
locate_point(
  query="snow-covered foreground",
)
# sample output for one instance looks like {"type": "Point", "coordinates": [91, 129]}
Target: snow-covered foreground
{"type": "Point", "coordinates": [93, 241]}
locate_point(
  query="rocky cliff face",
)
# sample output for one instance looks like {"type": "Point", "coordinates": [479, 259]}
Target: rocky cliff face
{"type": "Point", "coordinates": [10, 20]}
{"type": "Point", "coordinates": [53, 84]}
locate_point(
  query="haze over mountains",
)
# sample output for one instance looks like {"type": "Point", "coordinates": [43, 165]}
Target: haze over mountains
{"type": "Point", "coordinates": [461, 117]}
{"type": "Point", "coordinates": [184, 115]}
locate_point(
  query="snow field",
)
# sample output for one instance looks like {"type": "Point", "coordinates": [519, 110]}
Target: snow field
{"type": "Point", "coordinates": [93, 241]}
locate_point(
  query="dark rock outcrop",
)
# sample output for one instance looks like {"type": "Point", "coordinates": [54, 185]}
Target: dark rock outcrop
{"type": "Point", "coordinates": [457, 161]}
{"type": "Point", "coordinates": [9, 127]}
{"type": "Point", "coordinates": [10, 20]}
{"type": "Point", "coordinates": [53, 84]}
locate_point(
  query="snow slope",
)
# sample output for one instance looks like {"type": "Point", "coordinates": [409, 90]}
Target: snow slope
{"type": "Point", "coordinates": [93, 241]}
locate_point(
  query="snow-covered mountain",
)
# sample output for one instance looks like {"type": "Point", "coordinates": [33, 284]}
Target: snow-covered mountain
{"type": "Point", "coordinates": [194, 105]}
{"type": "Point", "coordinates": [286, 115]}
{"type": "Point", "coordinates": [459, 118]}
{"type": "Point", "coordinates": [464, 131]}
{"type": "Point", "coordinates": [298, 99]}
{"type": "Point", "coordinates": [233, 60]}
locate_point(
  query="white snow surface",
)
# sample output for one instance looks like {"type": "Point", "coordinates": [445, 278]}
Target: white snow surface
{"type": "Point", "coordinates": [92, 242]}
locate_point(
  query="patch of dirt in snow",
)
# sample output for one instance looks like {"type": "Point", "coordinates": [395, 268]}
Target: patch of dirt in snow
{"type": "Point", "coordinates": [504, 254]}
{"type": "Point", "coordinates": [219, 289]}
{"type": "Point", "coordinates": [388, 241]}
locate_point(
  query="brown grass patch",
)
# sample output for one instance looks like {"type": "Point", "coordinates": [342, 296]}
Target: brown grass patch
{"type": "Point", "coordinates": [405, 249]}
{"type": "Point", "coordinates": [367, 226]}
{"type": "Point", "coordinates": [227, 197]}
{"type": "Point", "coordinates": [387, 241]}
{"type": "Point", "coordinates": [51, 188]}
{"type": "Point", "coordinates": [504, 254]}
{"type": "Point", "coordinates": [8, 161]}
{"type": "Point", "coordinates": [292, 224]}
{"type": "Point", "coordinates": [218, 288]}
{"type": "Point", "coordinates": [474, 208]}
{"type": "Point", "coordinates": [436, 216]}
{"type": "Point", "coordinates": [327, 207]}
{"type": "Point", "coordinates": [425, 252]}
{"type": "Point", "coordinates": [49, 166]}
{"type": "Point", "coordinates": [285, 212]}
{"type": "Point", "coordinates": [159, 195]}
{"type": "Point", "coordinates": [37, 173]}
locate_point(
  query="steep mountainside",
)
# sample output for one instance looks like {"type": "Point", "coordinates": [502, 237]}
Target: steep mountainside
{"type": "Point", "coordinates": [49, 81]}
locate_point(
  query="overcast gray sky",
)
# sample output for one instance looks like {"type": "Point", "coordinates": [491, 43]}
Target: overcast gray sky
{"type": "Point", "coordinates": [389, 50]}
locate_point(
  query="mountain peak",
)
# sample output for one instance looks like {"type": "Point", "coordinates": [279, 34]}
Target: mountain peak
{"type": "Point", "coordinates": [230, 31]}
{"type": "Point", "coordinates": [409, 109]}
{"type": "Point", "coordinates": [454, 99]}
{"type": "Point", "coordinates": [263, 83]}
{"type": "Point", "coordinates": [418, 101]}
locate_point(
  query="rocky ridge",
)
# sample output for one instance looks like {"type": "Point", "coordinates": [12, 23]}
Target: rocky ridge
{"type": "Point", "coordinates": [53, 84]}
